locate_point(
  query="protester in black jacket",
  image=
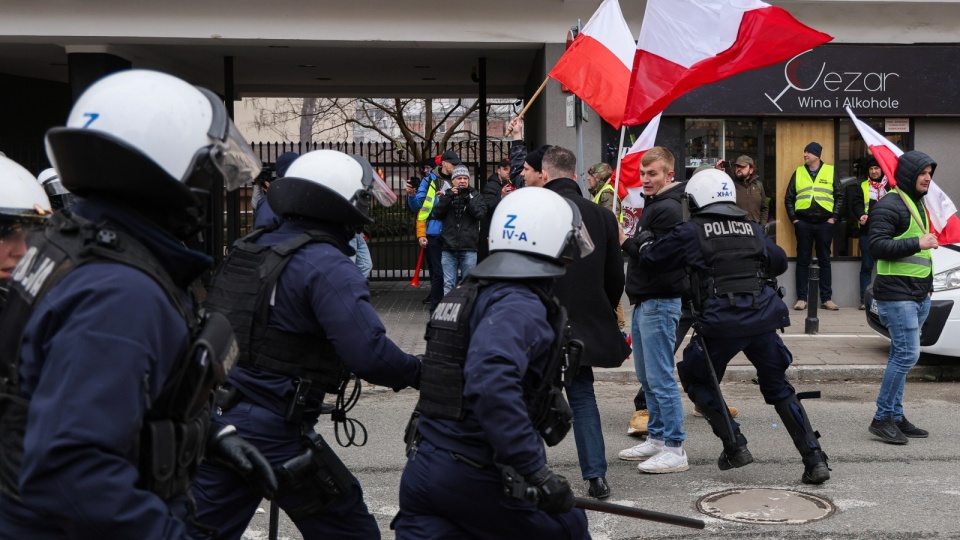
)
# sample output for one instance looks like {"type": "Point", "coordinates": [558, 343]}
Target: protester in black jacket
{"type": "Point", "coordinates": [460, 209]}
{"type": "Point", "coordinates": [501, 183]}
{"type": "Point", "coordinates": [590, 290]}
{"type": "Point", "coordinates": [901, 241]}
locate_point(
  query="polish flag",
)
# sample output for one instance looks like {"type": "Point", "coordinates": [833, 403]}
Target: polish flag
{"type": "Point", "coordinates": [685, 44]}
{"type": "Point", "coordinates": [596, 67]}
{"type": "Point", "coordinates": [628, 185]}
{"type": "Point", "coordinates": [940, 209]}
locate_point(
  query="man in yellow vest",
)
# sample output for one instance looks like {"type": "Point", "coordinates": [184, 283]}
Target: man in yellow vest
{"type": "Point", "coordinates": [814, 201]}
{"type": "Point", "coordinates": [901, 241]}
{"type": "Point", "coordinates": [871, 190]}
{"type": "Point", "coordinates": [428, 228]}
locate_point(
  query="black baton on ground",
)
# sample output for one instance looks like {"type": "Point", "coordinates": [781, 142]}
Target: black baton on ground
{"type": "Point", "coordinates": [639, 513]}
{"type": "Point", "coordinates": [273, 534]}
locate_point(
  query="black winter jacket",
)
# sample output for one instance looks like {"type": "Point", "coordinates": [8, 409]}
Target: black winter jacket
{"type": "Point", "coordinates": [591, 287]}
{"type": "Point", "coordinates": [890, 218]}
{"type": "Point", "coordinates": [461, 215]}
{"type": "Point", "coordinates": [661, 213]}
{"type": "Point", "coordinates": [491, 193]}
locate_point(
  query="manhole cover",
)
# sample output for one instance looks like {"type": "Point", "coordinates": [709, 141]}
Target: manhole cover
{"type": "Point", "coordinates": [763, 505]}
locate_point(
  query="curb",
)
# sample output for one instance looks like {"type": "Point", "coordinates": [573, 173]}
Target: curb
{"type": "Point", "coordinates": [811, 373]}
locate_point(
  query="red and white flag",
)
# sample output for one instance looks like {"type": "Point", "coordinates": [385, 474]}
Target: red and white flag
{"type": "Point", "coordinates": [941, 210]}
{"type": "Point", "coordinates": [596, 67]}
{"type": "Point", "coordinates": [685, 44]}
{"type": "Point", "coordinates": [628, 185]}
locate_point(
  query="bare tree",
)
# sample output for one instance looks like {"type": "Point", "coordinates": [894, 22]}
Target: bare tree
{"type": "Point", "coordinates": [410, 124]}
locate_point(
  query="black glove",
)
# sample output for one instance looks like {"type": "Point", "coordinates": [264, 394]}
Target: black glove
{"type": "Point", "coordinates": [554, 495]}
{"type": "Point", "coordinates": [644, 239]}
{"type": "Point", "coordinates": [229, 448]}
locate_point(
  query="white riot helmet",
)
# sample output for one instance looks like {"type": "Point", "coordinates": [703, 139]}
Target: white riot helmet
{"type": "Point", "coordinates": [533, 233]}
{"type": "Point", "coordinates": [712, 192]}
{"type": "Point", "coordinates": [154, 142]}
{"type": "Point", "coordinates": [22, 200]}
{"type": "Point", "coordinates": [327, 185]}
{"type": "Point", "coordinates": [59, 197]}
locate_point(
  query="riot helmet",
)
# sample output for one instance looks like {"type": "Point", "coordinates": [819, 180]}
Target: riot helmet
{"type": "Point", "coordinates": [153, 142]}
{"type": "Point", "coordinates": [712, 192]}
{"type": "Point", "coordinates": [327, 185]}
{"type": "Point", "coordinates": [60, 198]}
{"type": "Point", "coordinates": [533, 233]}
{"type": "Point", "coordinates": [22, 202]}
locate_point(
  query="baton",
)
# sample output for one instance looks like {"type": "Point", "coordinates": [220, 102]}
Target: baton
{"type": "Point", "coordinates": [713, 376]}
{"type": "Point", "coordinates": [274, 521]}
{"type": "Point", "coordinates": [638, 513]}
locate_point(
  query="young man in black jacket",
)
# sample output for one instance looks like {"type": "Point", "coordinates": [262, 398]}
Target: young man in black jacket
{"type": "Point", "coordinates": [460, 209]}
{"type": "Point", "coordinates": [656, 297]}
{"type": "Point", "coordinates": [900, 240]}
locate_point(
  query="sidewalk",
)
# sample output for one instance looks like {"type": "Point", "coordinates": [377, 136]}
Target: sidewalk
{"type": "Point", "coordinates": [845, 348]}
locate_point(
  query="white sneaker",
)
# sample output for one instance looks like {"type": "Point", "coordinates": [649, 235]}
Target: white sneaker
{"type": "Point", "coordinates": [642, 451]}
{"type": "Point", "coordinates": [665, 462]}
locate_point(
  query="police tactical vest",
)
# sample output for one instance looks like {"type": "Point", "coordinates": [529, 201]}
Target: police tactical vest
{"type": "Point", "coordinates": [242, 291]}
{"type": "Point", "coordinates": [174, 433]}
{"type": "Point", "coordinates": [441, 373]}
{"type": "Point", "coordinates": [918, 265]}
{"type": "Point", "coordinates": [819, 189]}
{"type": "Point", "coordinates": [734, 257]}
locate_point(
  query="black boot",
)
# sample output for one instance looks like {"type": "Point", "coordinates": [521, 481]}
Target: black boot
{"type": "Point", "coordinates": [815, 469]}
{"type": "Point", "coordinates": [735, 455]}
{"type": "Point", "coordinates": [599, 488]}
{"type": "Point", "coordinates": [795, 420]}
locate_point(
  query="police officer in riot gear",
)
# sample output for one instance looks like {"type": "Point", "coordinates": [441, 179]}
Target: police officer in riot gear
{"type": "Point", "coordinates": [301, 310]}
{"type": "Point", "coordinates": [22, 204]}
{"type": "Point", "coordinates": [490, 394]}
{"type": "Point", "coordinates": [733, 266]}
{"type": "Point", "coordinates": [107, 369]}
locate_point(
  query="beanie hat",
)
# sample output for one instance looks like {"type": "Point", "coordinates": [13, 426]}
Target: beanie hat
{"type": "Point", "coordinates": [814, 148]}
{"type": "Point", "coordinates": [868, 162]}
{"type": "Point", "coordinates": [535, 158]}
{"type": "Point", "coordinates": [601, 171]}
{"type": "Point", "coordinates": [284, 161]}
{"type": "Point", "coordinates": [460, 170]}
{"type": "Point", "coordinates": [503, 163]}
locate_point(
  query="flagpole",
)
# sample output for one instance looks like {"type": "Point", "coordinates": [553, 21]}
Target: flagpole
{"type": "Point", "coordinates": [616, 181]}
{"type": "Point", "coordinates": [529, 103]}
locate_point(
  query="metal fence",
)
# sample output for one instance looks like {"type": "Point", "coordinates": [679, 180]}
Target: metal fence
{"type": "Point", "coordinates": [392, 235]}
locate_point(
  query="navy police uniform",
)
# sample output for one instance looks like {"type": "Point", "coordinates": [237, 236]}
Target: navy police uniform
{"type": "Point", "coordinates": [452, 486]}
{"type": "Point", "coordinates": [95, 354]}
{"type": "Point", "coordinates": [733, 265]}
{"type": "Point", "coordinates": [320, 294]}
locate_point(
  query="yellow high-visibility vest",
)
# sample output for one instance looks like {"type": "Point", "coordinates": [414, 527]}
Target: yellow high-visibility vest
{"type": "Point", "coordinates": [918, 265]}
{"type": "Point", "coordinates": [608, 187]}
{"type": "Point", "coordinates": [818, 189]}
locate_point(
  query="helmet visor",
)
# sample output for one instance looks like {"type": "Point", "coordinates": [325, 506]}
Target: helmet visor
{"type": "Point", "coordinates": [578, 243]}
{"type": "Point", "coordinates": [381, 191]}
{"type": "Point", "coordinates": [239, 164]}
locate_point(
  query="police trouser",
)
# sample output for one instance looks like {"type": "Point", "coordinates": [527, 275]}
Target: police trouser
{"type": "Point", "coordinates": [227, 503]}
{"type": "Point", "coordinates": [443, 495]}
{"type": "Point", "coordinates": [765, 351]}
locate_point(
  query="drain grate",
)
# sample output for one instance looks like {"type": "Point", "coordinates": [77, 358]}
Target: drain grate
{"type": "Point", "coordinates": [766, 506]}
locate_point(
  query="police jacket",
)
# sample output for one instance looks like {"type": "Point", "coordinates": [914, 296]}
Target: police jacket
{"type": "Point", "coordinates": [591, 287]}
{"type": "Point", "coordinates": [890, 218]}
{"type": "Point", "coordinates": [322, 292]}
{"type": "Point", "coordinates": [263, 215]}
{"type": "Point", "coordinates": [816, 213]}
{"type": "Point", "coordinates": [461, 215]}
{"type": "Point", "coordinates": [746, 315]}
{"type": "Point", "coordinates": [510, 340]}
{"type": "Point", "coordinates": [96, 353]}
{"type": "Point", "coordinates": [661, 213]}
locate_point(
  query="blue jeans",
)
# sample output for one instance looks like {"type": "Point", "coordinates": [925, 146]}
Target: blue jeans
{"type": "Point", "coordinates": [808, 233]}
{"type": "Point", "coordinates": [654, 328]}
{"type": "Point", "coordinates": [587, 432]}
{"type": "Point", "coordinates": [464, 261]}
{"type": "Point", "coordinates": [866, 264]}
{"type": "Point", "coordinates": [903, 319]}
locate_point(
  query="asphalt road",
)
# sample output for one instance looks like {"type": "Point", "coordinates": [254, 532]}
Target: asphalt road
{"type": "Point", "coordinates": [879, 490]}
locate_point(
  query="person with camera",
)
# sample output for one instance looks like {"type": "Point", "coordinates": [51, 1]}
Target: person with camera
{"type": "Point", "coordinates": [733, 267]}
{"type": "Point", "coordinates": [460, 208]}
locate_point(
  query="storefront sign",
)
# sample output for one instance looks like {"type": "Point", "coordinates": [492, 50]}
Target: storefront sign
{"type": "Point", "coordinates": [871, 80]}
{"type": "Point", "coordinates": [896, 125]}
